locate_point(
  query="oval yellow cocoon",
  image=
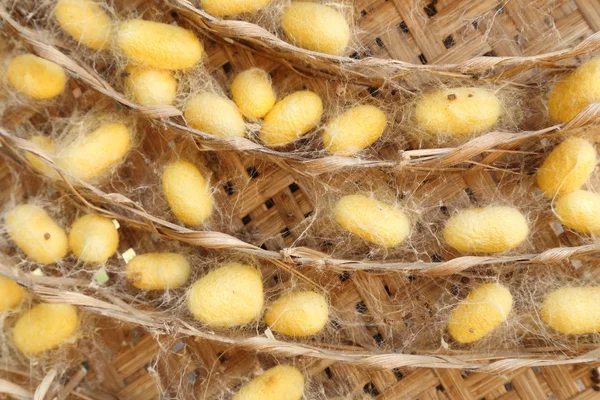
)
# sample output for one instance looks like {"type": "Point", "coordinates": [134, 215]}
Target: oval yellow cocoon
{"type": "Point", "coordinates": [458, 111]}
{"type": "Point", "coordinates": [578, 90]}
{"type": "Point", "coordinates": [567, 168]}
{"type": "Point", "coordinates": [187, 192]}
{"type": "Point", "coordinates": [11, 294]}
{"type": "Point", "coordinates": [215, 115]}
{"type": "Point", "coordinates": [157, 271]}
{"type": "Point", "coordinates": [485, 308]}
{"type": "Point", "coordinates": [572, 310]}
{"type": "Point", "coordinates": [36, 234]}
{"type": "Point", "coordinates": [151, 87]}
{"type": "Point", "coordinates": [372, 220]}
{"type": "Point", "coordinates": [316, 27]}
{"type": "Point", "coordinates": [45, 144]}
{"type": "Point", "coordinates": [93, 239]}
{"type": "Point", "coordinates": [85, 21]}
{"type": "Point", "coordinates": [277, 383]}
{"type": "Point", "coordinates": [291, 118]}
{"type": "Point", "coordinates": [87, 157]}
{"type": "Point", "coordinates": [44, 327]}
{"type": "Point", "coordinates": [36, 77]}
{"type": "Point", "coordinates": [491, 229]}
{"type": "Point", "coordinates": [220, 8]}
{"type": "Point", "coordinates": [298, 314]}
{"type": "Point", "coordinates": [158, 45]}
{"type": "Point", "coordinates": [354, 130]}
{"type": "Point", "coordinates": [229, 296]}
{"type": "Point", "coordinates": [253, 93]}
{"type": "Point", "coordinates": [580, 210]}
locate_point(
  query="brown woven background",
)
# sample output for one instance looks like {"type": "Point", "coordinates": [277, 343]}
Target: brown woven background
{"type": "Point", "coordinates": [275, 201]}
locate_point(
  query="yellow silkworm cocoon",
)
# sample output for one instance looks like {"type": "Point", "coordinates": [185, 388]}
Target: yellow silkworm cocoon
{"type": "Point", "coordinates": [491, 229]}
{"type": "Point", "coordinates": [36, 234]}
{"type": "Point", "coordinates": [187, 192]}
{"type": "Point", "coordinates": [572, 310]}
{"type": "Point", "coordinates": [298, 314]}
{"type": "Point", "coordinates": [372, 220]}
{"type": "Point", "coordinates": [567, 168]}
{"type": "Point", "coordinates": [485, 308]}
{"type": "Point", "coordinates": [316, 27]}
{"type": "Point", "coordinates": [93, 239]}
{"type": "Point", "coordinates": [253, 93]}
{"type": "Point", "coordinates": [158, 45]}
{"type": "Point", "coordinates": [36, 77]}
{"type": "Point", "coordinates": [229, 296]}
{"type": "Point", "coordinates": [580, 210]}
{"type": "Point", "coordinates": [277, 383]}
{"type": "Point", "coordinates": [215, 115]}
{"type": "Point", "coordinates": [291, 118]}
{"type": "Point", "coordinates": [458, 111]}
{"type": "Point", "coordinates": [157, 271]}
{"type": "Point", "coordinates": [11, 294]}
{"type": "Point", "coordinates": [151, 87]}
{"type": "Point", "coordinates": [220, 8]}
{"type": "Point", "coordinates": [44, 327]}
{"type": "Point", "coordinates": [45, 144]}
{"type": "Point", "coordinates": [354, 130]}
{"type": "Point", "coordinates": [89, 156]}
{"type": "Point", "coordinates": [85, 21]}
{"type": "Point", "coordinates": [578, 90]}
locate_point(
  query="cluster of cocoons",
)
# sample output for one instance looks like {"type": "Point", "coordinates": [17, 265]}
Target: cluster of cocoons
{"type": "Point", "coordinates": [568, 310]}
{"type": "Point", "coordinates": [93, 239]}
{"type": "Point", "coordinates": [43, 327]}
{"type": "Point", "coordinates": [562, 174]}
{"type": "Point", "coordinates": [87, 156]}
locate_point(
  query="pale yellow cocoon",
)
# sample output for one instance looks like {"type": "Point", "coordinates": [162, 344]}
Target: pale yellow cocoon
{"type": "Point", "coordinates": [316, 27]}
{"type": "Point", "coordinates": [567, 168]}
{"type": "Point", "coordinates": [93, 239]}
{"type": "Point", "coordinates": [491, 229]}
{"type": "Point", "coordinates": [484, 309]}
{"type": "Point", "coordinates": [215, 115]}
{"type": "Point", "coordinates": [372, 220]}
{"type": "Point", "coordinates": [36, 77]}
{"type": "Point", "coordinates": [85, 21]}
{"type": "Point", "coordinates": [253, 93]}
{"type": "Point", "coordinates": [354, 130]}
{"type": "Point", "coordinates": [572, 94]}
{"type": "Point", "coordinates": [157, 271]}
{"type": "Point", "coordinates": [87, 157]}
{"type": "Point", "coordinates": [291, 118]}
{"type": "Point", "coordinates": [45, 144]}
{"type": "Point", "coordinates": [188, 194]}
{"type": "Point", "coordinates": [282, 382]}
{"type": "Point", "coordinates": [151, 87]}
{"type": "Point", "coordinates": [579, 210]}
{"type": "Point", "coordinates": [158, 45]}
{"type": "Point", "coordinates": [222, 8]}
{"type": "Point", "coordinates": [36, 234]}
{"type": "Point", "coordinates": [298, 314]}
{"type": "Point", "coordinates": [44, 327]}
{"type": "Point", "coordinates": [229, 296]}
{"type": "Point", "coordinates": [11, 294]}
{"type": "Point", "coordinates": [458, 111]}
{"type": "Point", "coordinates": [572, 310]}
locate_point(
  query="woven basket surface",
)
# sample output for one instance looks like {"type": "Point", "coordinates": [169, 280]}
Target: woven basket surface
{"type": "Point", "coordinates": [131, 363]}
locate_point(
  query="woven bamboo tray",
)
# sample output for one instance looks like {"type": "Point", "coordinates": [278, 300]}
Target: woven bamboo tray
{"type": "Point", "coordinates": [280, 201]}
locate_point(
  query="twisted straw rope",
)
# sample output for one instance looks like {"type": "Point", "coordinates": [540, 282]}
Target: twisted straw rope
{"type": "Point", "coordinates": [49, 290]}
{"type": "Point", "coordinates": [421, 158]}
{"type": "Point", "coordinates": [133, 214]}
